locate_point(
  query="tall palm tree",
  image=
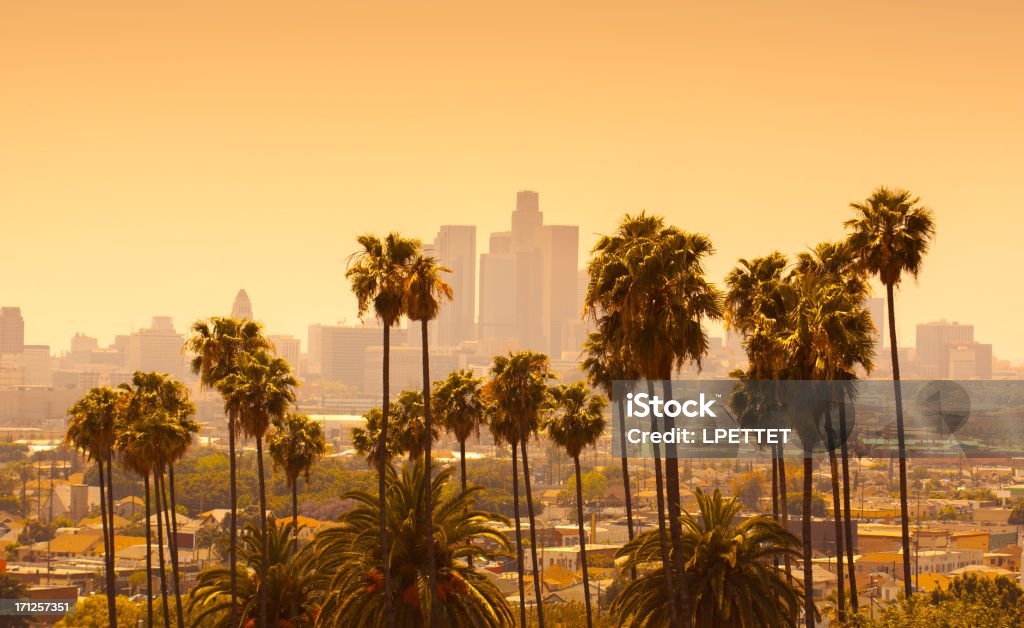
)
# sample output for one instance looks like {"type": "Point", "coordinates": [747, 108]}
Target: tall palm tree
{"type": "Point", "coordinates": [577, 423]}
{"type": "Point", "coordinates": [653, 276]}
{"type": "Point", "coordinates": [458, 402]}
{"type": "Point", "coordinates": [732, 579]}
{"type": "Point", "coordinates": [603, 363]}
{"type": "Point", "coordinates": [406, 433]}
{"type": "Point", "coordinates": [425, 289]}
{"type": "Point", "coordinates": [519, 389]}
{"type": "Point", "coordinates": [154, 432]}
{"type": "Point", "coordinates": [377, 274]}
{"type": "Point", "coordinates": [347, 557]}
{"type": "Point", "coordinates": [261, 391]}
{"type": "Point", "coordinates": [296, 443]}
{"type": "Point", "coordinates": [91, 431]}
{"type": "Point", "coordinates": [216, 346]}
{"type": "Point", "coordinates": [891, 233]}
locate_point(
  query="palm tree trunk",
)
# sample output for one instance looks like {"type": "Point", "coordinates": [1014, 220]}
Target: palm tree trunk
{"type": "Point", "coordinates": [295, 515]}
{"type": "Point", "coordinates": [160, 547]}
{"type": "Point", "coordinates": [659, 485]}
{"type": "Point", "coordinates": [784, 504]}
{"type": "Point", "coordinates": [583, 540]}
{"type": "Point", "coordinates": [110, 518]}
{"type": "Point", "coordinates": [233, 533]}
{"type": "Point", "coordinates": [519, 537]}
{"type": "Point", "coordinates": [173, 535]}
{"type": "Point", "coordinates": [435, 601]}
{"type": "Point", "coordinates": [806, 525]}
{"type": "Point", "coordinates": [848, 536]}
{"type": "Point", "coordinates": [901, 442]}
{"type": "Point", "coordinates": [675, 525]}
{"type": "Point", "coordinates": [837, 517]}
{"type": "Point", "coordinates": [462, 467]}
{"type": "Point", "coordinates": [625, 478]}
{"type": "Point", "coordinates": [382, 443]}
{"type": "Point", "coordinates": [775, 485]}
{"type": "Point", "coordinates": [263, 533]}
{"type": "Point", "coordinates": [533, 534]}
{"type": "Point", "coordinates": [107, 533]}
{"type": "Point", "coordinates": [149, 554]}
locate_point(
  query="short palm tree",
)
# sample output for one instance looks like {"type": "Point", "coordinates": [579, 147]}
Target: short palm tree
{"type": "Point", "coordinates": [216, 346]}
{"type": "Point", "coordinates": [287, 585]}
{"type": "Point", "coordinates": [519, 390]}
{"type": "Point", "coordinates": [460, 408]}
{"type": "Point", "coordinates": [377, 274]}
{"type": "Point", "coordinates": [348, 557]}
{"type": "Point", "coordinates": [406, 432]}
{"type": "Point", "coordinates": [891, 233]}
{"type": "Point", "coordinates": [731, 575]}
{"type": "Point", "coordinates": [576, 423]}
{"type": "Point", "coordinates": [91, 431]}
{"type": "Point", "coordinates": [261, 391]}
{"type": "Point", "coordinates": [296, 443]}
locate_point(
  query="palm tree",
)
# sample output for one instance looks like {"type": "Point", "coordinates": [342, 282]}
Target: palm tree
{"type": "Point", "coordinates": [891, 234]}
{"type": "Point", "coordinates": [154, 432]}
{"type": "Point", "coordinates": [519, 389]}
{"type": "Point", "coordinates": [377, 274]}
{"type": "Point", "coordinates": [407, 432]}
{"type": "Point", "coordinates": [603, 363]}
{"type": "Point", "coordinates": [348, 557]}
{"type": "Point", "coordinates": [577, 423]}
{"type": "Point", "coordinates": [288, 583]}
{"type": "Point", "coordinates": [425, 289]}
{"type": "Point", "coordinates": [652, 275]}
{"type": "Point", "coordinates": [731, 579]}
{"type": "Point", "coordinates": [262, 390]}
{"type": "Point", "coordinates": [458, 402]}
{"type": "Point", "coordinates": [295, 444]}
{"type": "Point", "coordinates": [217, 345]}
{"type": "Point", "coordinates": [91, 431]}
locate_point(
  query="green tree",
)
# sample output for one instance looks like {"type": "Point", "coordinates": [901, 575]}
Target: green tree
{"type": "Point", "coordinates": [296, 443]}
{"type": "Point", "coordinates": [261, 391]}
{"type": "Point", "coordinates": [891, 233]}
{"type": "Point", "coordinates": [731, 577]}
{"type": "Point", "coordinates": [91, 431]}
{"type": "Point", "coordinates": [12, 589]}
{"type": "Point", "coordinates": [377, 274]}
{"type": "Point", "coordinates": [459, 405]}
{"type": "Point", "coordinates": [90, 612]}
{"type": "Point", "coordinates": [348, 557]}
{"type": "Point", "coordinates": [575, 424]}
{"type": "Point", "coordinates": [969, 601]}
{"type": "Point", "coordinates": [216, 346]}
{"type": "Point", "coordinates": [425, 290]}
{"type": "Point", "coordinates": [281, 590]}
{"type": "Point", "coordinates": [519, 390]}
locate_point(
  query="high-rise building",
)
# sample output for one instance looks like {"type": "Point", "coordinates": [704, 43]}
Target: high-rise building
{"type": "Point", "coordinates": [455, 247]}
{"type": "Point", "coordinates": [405, 367]}
{"type": "Point", "coordinates": [36, 365]}
{"type": "Point", "coordinates": [343, 350]}
{"type": "Point", "coordinates": [969, 360]}
{"type": "Point", "coordinates": [12, 330]}
{"type": "Point", "coordinates": [242, 307]}
{"type": "Point", "coordinates": [287, 347]}
{"type": "Point", "coordinates": [158, 348]}
{"type": "Point", "coordinates": [933, 342]}
{"type": "Point", "coordinates": [528, 281]}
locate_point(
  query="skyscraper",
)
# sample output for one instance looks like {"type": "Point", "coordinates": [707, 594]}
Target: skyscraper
{"type": "Point", "coordinates": [157, 349]}
{"type": "Point", "coordinates": [242, 308]}
{"type": "Point", "coordinates": [12, 330]}
{"type": "Point", "coordinates": [455, 247]}
{"type": "Point", "coordinates": [933, 343]}
{"type": "Point", "coordinates": [528, 281]}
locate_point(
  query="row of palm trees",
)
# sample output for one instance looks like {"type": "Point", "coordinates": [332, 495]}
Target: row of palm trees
{"type": "Point", "coordinates": [146, 425]}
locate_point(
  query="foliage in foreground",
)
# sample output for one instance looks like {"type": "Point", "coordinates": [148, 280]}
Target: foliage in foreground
{"type": "Point", "coordinates": [970, 601]}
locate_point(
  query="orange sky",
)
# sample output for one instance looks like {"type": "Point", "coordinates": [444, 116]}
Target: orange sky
{"type": "Point", "coordinates": [155, 158]}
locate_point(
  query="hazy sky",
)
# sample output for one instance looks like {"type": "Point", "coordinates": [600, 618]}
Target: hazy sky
{"type": "Point", "coordinates": [156, 158]}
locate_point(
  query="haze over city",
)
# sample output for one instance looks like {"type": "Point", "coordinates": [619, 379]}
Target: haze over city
{"type": "Point", "coordinates": [154, 160]}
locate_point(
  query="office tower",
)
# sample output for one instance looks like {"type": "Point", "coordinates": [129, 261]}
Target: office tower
{"type": "Point", "coordinates": [528, 281]}
{"type": "Point", "coordinates": [158, 348]}
{"type": "Point", "coordinates": [242, 308]}
{"type": "Point", "coordinates": [968, 360]}
{"type": "Point", "coordinates": [343, 350]}
{"type": "Point", "coordinates": [405, 367]}
{"type": "Point", "coordinates": [455, 247]}
{"type": "Point", "coordinates": [287, 347]}
{"type": "Point", "coordinates": [36, 365]}
{"type": "Point", "coordinates": [12, 330]}
{"type": "Point", "coordinates": [933, 342]}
